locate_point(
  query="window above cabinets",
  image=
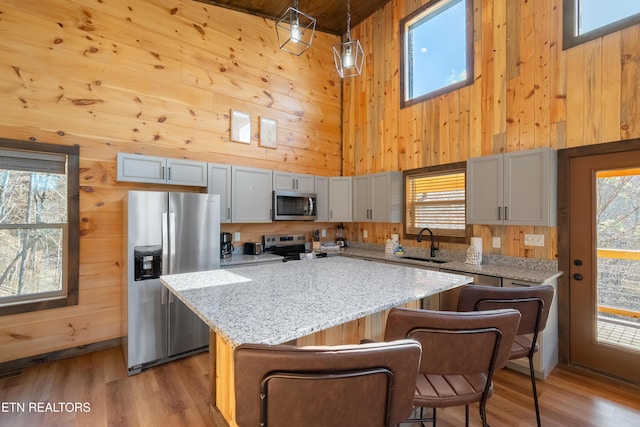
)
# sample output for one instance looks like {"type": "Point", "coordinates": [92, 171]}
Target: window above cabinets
{"type": "Point", "coordinates": [586, 20]}
{"type": "Point", "coordinates": [437, 50]}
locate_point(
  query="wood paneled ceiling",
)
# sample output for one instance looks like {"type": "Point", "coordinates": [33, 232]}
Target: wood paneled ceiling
{"type": "Point", "coordinates": [331, 15]}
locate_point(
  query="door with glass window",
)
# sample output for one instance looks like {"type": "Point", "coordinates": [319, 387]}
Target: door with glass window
{"type": "Point", "coordinates": [604, 276]}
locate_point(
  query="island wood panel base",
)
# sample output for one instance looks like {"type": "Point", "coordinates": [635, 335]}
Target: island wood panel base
{"type": "Point", "coordinates": [222, 397]}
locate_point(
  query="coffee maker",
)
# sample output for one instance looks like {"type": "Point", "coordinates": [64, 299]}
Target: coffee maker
{"type": "Point", "coordinates": [226, 247]}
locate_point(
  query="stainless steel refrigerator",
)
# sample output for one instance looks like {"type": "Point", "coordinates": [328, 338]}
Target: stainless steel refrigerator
{"type": "Point", "coordinates": [165, 233]}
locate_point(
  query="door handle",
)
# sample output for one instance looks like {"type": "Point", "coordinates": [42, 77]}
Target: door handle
{"type": "Point", "coordinates": [578, 276]}
{"type": "Point", "coordinates": [165, 243]}
{"type": "Point", "coordinates": [499, 212]}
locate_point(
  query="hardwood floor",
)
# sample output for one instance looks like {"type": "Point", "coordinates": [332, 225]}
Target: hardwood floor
{"type": "Point", "coordinates": [176, 394]}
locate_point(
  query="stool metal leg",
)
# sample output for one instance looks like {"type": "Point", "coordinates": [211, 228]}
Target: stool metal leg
{"type": "Point", "coordinates": [535, 392]}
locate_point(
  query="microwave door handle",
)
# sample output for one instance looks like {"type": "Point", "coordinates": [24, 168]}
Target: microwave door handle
{"type": "Point", "coordinates": [310, 206]}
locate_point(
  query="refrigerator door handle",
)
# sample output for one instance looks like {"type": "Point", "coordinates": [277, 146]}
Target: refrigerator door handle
{"type": "Point", "coordinates": [165, 244]}
{"type": "Point", "coordinates": [172, 241]}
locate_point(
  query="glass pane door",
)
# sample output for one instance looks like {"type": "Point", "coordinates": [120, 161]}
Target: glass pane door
{"type": "Point", "coordinates": [618, 258]}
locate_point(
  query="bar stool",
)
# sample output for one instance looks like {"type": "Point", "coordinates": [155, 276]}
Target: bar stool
{"type": "Point", "coordinates": [355, 385]}
{"type": "Point", "coordinates": [460, 352]}
{"type": "Point", "coordinates": [533, 303]}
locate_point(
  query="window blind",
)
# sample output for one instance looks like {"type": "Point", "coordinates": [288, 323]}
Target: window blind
{"type": "Point", "coordinates": [437, 201]}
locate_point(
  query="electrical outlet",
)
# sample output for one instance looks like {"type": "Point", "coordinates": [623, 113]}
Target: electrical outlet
{"type": "Point", "coordinates": [324, 233]}
{"type": "Point", "coordinates": [496, 243]}
{"type": "Point", "coordinates": [237, 236]}
{"type": "Point", "coordinates": [365, 234]}
{"type": "Point", "coordinates": [534, 239]}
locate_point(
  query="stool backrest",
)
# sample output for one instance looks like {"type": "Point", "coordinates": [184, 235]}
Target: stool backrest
{"type": "Point", "coordinates": [364, 384]}
{"type": "Point", "coordinates": [532, 302]}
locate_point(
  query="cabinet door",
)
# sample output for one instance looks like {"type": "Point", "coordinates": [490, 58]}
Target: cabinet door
{"type": "Point", "coordinates": [484, 190]}
{"type": "Point", "coordinates": [305, 183]}
{"type": "Point", "coordinates": [385, 197]}
{"type": "Point", "coordinates": [361, 196]}
{"type": "Point", "coordinates": [321, 186]}
{"type": "Point", "coordinates": [283, 181]}
{"type": "Point", "coordinates": [340, 205]}
{"type": "Point", "coordinates": [527, 186]}
{"type": "Point", "coordinates": [186, 172]}
{"type": "Point", "coordinates": [220, 183]}
{"type": "Point", "coordinates": [251, 194]}
{"type": "Point", "coordinates": [293, 182]}
{"type": "Point", "coordinates": [139, 168]}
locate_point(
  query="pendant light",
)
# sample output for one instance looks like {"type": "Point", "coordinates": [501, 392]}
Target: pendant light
{"type": "Point", "coordinates": [295, 30]}
{"type": "Point", "coordinates": [348, 56]}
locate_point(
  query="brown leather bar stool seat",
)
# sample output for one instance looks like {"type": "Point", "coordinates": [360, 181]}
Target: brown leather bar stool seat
{"type": "Point", "coordinates": [365, 385]}
{"type": "Point", "coordinates": [533, 302]}
{"type": "Point", "coordinates": [460, 352]}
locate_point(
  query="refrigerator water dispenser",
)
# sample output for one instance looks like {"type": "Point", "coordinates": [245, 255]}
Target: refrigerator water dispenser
{"type": "Point", "coordinates": [148, 262]}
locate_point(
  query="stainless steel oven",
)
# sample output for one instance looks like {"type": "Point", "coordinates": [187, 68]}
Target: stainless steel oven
{"type": "Point", "coordinates": [293, 206]}
{"type": "Point", "coordinates": [288, 246]}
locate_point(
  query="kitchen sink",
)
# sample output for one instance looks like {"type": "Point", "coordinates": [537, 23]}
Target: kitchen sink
{"type": "Point", "coordinates": [433, 260]}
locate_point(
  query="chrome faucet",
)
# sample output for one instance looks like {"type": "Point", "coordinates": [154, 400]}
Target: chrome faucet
{"type": "Point", "coordinates": [433, 247]}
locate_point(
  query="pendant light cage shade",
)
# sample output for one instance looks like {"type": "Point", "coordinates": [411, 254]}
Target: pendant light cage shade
{"type": "Point", "coordinates": [295, 31]}
{"type": "Point", "coordinates": [349, 58]}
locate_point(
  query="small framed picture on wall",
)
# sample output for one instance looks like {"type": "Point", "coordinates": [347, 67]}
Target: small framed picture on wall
{"type": "Point", "coordinates": [268, 133]}
{"type": "Point", "coordinates": [240, 127]}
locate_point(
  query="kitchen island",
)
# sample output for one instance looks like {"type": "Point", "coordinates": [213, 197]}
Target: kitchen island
{"type": "Point", "coordinates": [313, 302]}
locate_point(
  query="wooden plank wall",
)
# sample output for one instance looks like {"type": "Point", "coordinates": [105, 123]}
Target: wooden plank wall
{"type": "Point", "coordinates": [528, 93]}
{"type": "Point", "coordinates": [156, 77]}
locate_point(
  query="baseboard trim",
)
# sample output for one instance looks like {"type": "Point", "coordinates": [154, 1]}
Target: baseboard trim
{"type": "Point", "coordinates": [14, 367]}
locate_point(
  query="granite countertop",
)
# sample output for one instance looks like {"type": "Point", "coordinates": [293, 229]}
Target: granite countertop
{"type": "Point", "coordinates": [278, 302]}
{"type": "Point", "coordinates": [525, 269]}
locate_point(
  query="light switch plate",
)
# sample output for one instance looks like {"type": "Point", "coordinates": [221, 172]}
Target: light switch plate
{"type": "Point", "coordinates": [324, 233]}
{"type": "Point", "coordinates": [237, 236]}
{"type": "Point", "coordinates": [365, 234]}
{"type": "Point", "coordinates": [534, 239]}
{"type": "Point", "coordinates": [496, 243]}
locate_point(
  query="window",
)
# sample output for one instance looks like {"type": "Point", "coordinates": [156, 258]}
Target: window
{"type": "Point", "coordinates": [39, 211]}
{"type": "Point", "coordinates": [435, 198]}
{"type": "Point", "coordinates": [437, 50]}
{"type": "Point", "coordinates": [586, 20]}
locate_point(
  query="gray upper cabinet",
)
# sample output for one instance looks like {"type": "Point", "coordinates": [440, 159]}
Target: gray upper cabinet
{"type": "Point", "coordinates": [251, 194]}
{"type": "Point", "coordinates": [378, 197]}
{"type": "Point", "coordinates": [340, 195]}
{"type": "Point", "coordinates": [322, 198]}
{"type": "Point", "coordinates": [293, 182]}
{"type": "Point", "coordinates": [220, 183]}
{"type": "Point", "coordinates": [516, 188]}
{"type": "Point", "coordinates": [160, 170]}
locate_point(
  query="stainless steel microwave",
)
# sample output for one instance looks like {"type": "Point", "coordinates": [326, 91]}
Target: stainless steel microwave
{"type": "Point", "coordinates": [294, 206]}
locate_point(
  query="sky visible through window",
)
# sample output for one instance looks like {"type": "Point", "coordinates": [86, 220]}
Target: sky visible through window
{"type": "Point", "coordinates": [439, 49]}
{"type": "Point", "coordinates": [598, 13]}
